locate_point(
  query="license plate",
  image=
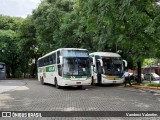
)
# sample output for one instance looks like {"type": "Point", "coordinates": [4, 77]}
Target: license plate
{"type": "Point", "coordinates": [114, 81]}
{"type": "Point", "coordinates": [78, 82]}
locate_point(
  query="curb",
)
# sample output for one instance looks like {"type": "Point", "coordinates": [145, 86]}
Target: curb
{"type": "Point", "coordinates": [148, 87]}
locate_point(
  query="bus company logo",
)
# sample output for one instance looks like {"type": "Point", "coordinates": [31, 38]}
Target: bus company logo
{"type": "Point", "coordinates": [51, 69]}
{"type": "Point", "coordinates": [6, 114]}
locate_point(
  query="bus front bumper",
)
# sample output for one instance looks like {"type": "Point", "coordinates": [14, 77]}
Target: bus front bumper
{"type": "Point", "coordinates": [76, 82]}
{"type": "Point", "coordinates": [109, 81]}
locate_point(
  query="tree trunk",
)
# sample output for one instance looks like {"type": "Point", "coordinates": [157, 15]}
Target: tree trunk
{"type": "Point", "coordinates": [8, 73]}
{"type": "Point", "coordinates": [24, 75]}
{"type": "Point", "coordinates": [13, 72]}
{"type": "Point", "coordinates": [139, 72]}
{"type": "Point", "coordinates": [34, 71]}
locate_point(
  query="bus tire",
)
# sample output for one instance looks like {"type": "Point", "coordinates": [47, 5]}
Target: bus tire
{"type": "Point", "coordinates": [42, 81]}
{"type": "Point", "coordinates": [56, 84]}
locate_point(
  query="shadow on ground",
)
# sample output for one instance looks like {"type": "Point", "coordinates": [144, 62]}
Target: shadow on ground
{"type": "Point", "coordinates": [70, 88]}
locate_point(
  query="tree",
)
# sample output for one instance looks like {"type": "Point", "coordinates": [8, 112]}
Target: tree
{"type": "Point", "coordinates": [52, 28]}
{"type": "Point", "coordinates": [29, 47]}
{"type": "Point", "coordinates": [9, 50]}
{"type": "Point", "coordinates": [9, 43]}
{"type": "Point", "coordinates": [130, 25]}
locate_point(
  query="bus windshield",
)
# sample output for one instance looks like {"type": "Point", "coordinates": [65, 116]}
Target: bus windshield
{"type": "Point", "coordinates": [2, 71]}
{"type": "Point", "coordinates": [112, 66]}
{"type": "Point", "coordinates": [76, 66]}
{"type": "Point", "coordinates": [1, 66]}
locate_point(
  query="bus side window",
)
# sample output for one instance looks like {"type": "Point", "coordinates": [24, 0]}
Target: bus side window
{"type": "Point", "coordinates": [39, 63]}
{"type": "Point", "coordinates": [58, 59]}
{"type": "Point", "coordinates": [1, 66]}
{"type": "Point", "coordinates": [42, 62]}
{"type": "Point", "coordinates": [50, 59]}
{"type": "Point", "coordinates": [54, 58]}
{"type": "Point", "coordinates": [45, 61]}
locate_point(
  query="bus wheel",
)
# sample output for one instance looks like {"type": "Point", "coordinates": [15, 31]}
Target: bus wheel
{"type": "Point", "coordinates": [42, 81]}
{"type": "Point", "coordinates": [56, 84]}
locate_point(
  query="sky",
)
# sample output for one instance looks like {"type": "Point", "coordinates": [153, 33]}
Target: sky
{"type": "Point", "coordinates": [18, 8]}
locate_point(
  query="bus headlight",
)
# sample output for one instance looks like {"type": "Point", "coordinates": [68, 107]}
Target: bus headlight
{"type": "Point", "coordinates": [103, 76]}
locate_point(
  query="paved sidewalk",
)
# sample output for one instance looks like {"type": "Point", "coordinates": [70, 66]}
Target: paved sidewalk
{"type": "Point", "coordinates": [7, 85]}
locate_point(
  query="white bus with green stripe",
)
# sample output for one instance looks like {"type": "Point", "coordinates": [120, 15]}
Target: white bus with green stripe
{"type": "Point", "coordinates": [107, 68]}
{"type": "Point", "coordinates": [65, 67]}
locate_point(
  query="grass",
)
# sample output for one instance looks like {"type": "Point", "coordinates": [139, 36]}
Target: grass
{"type": "Point", "coordinates": [150, 84]}
{"type": "Point", "coordinates": [147, 84]}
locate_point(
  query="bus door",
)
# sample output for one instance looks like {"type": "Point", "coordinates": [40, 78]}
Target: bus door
{"type": "Point", "coordinates": [99, 69]}
{"type": "Point", "coordinates": [99, 76]}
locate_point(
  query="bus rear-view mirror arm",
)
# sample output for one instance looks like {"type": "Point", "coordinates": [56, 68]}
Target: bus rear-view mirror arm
{"type": "Point", "coordinates": [94, 62]}
{"type": "Point", "coordinates": [125, 63]}
{"type": "Point", "coordinates": [101, 62]}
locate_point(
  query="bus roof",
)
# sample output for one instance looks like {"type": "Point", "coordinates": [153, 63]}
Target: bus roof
{"type": "Point", "coordinates": [71, 49]}
{"type": "Point", "coordinates": [105, 54]}
{"type": "Point", "coordinates": [61, 49]}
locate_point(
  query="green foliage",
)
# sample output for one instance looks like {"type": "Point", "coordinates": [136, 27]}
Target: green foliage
{"type": "Point", "coordinates": [29, 45]}
{"type": "Point", "coordinates": [148, 62]}
{"type": "Point", "coordinates": [10, 23]}
{"type": "Point", "coordinates": [9, 50]}
{"type": "Point", "coordinates": [150, 84]}
{"type": "Point", "coordinates": [9, 43]}
{"type": "Point", "coordinates": [98, 25]}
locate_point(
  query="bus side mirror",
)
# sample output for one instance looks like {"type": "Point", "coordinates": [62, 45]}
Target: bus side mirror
{"type": "Point", "coordinates": [101, 62]}
{"type": "Point", "coordinates": [61, 60]}
{"type": "Point", "coordinates": [125, 63]}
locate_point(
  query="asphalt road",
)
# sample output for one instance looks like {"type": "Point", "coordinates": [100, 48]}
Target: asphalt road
{"type": "Point", "coordinates": [32, 96]}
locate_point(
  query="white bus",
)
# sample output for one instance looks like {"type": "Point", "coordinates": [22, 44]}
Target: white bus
{"type": "Point", "coordinates": [107, 68]}
{"type": "Point", "coordinates": [65, 67]}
